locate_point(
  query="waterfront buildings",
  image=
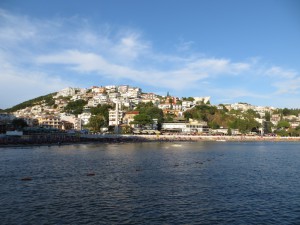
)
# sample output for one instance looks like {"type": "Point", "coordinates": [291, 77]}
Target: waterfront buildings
{"type": "Point", "coordinates": [124, 99]}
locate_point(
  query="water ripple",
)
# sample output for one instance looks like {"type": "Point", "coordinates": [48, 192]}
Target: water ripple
{"type": "Point", "coordinates": [151, 183]}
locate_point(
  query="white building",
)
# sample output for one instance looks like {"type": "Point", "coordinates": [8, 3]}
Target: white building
{"type": "Point", "coordinates": [101, 98]}
{"type": "Point", "coordinates": [111, 88]}
{"type": "Point", "coordinates": [198, 100]}
{"type": "Point", "coordinates": [69, 91]}
{"type": "Point", "coordinates": [113, 95]}
{"type": "Point", "coordinates": [75, 97]}
{"type": "Point", "coordinates": [134, 92]}
{"type": "Point", "coordinates": [192, 126]}
{"type": "Point", "coordinates": [115, 117]}
{"type": "Point", "coordinates": [71, 119]}
{"type": "Point", "coordinates": [85, 117]}
{"type": "Point", "coordinates": [187, 105]}
{"type": "Point", "coordinates": [123, 88]}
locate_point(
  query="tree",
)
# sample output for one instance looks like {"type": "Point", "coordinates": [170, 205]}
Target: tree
{"type": "Point", "coordinates": [148, 112]}
{"type": "Point", "coordinates": [126, 130]}
{"type": "Point", "coordinates": [244, 125]}
{"type": "Point", "coordinates": [286, 111]}
{"type": "Point", "coordinates": [169, 118]}
{"type": "Point", "coordinates": [229, 132]}
{"type": "Point", "coordinates": [283, 124]}
{"type": "Point", "coordinates": [142, 119]}
{"type": "Point", "coordinates": [282, 133]}
{"type": "Point", "coordinates": [201, 112]}
{"type": "Point", "coordinates": [252, 113]}
{"type": "Point", "coordinates": [96, 122]}
{"type": "Point", "coordinates": [213, 125]}
{"type": "Point", "coordinates": [75, 107]}
{"type": "Point", "coordinates": [19, 123]}
{"type": "Point", "coordinates": [102, 110]}
{"type": "Point", "coordinates": [191, 99]}
{"type": "Point", "coordinates": [267, 116]}
{"type": "Point", "coordinates": [178, 102]}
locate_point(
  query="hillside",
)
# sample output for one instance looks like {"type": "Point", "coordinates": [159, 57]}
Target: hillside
{"type": "Point", "coordinates": [47, 99]}
{"type": "Point", "coordinates": [91, 105]}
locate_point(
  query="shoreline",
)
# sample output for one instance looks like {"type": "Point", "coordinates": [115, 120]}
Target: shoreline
{"type": "Point", "coordinates": [89, 139]}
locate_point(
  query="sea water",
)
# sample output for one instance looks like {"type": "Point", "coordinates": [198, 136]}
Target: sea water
{"type": "Point", "coordinates": [151, 183]}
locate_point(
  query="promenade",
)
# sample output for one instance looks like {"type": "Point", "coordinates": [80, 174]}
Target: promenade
{"type": "Point", "coordinates": [179, 137]}
{"type": "Point", "coordinates": [111, 138]}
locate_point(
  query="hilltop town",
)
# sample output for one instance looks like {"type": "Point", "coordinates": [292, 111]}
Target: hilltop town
{"type": "Point", "coordinates": [126, 109]}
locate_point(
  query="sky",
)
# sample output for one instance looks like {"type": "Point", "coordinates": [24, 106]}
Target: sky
{"type": "Point", "coordinates": [231, 50]}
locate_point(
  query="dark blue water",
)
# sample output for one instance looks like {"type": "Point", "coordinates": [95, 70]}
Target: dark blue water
{"type": "Point", "coordinates": [151, 183]}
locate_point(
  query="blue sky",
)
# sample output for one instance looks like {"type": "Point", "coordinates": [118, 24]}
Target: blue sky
{"type": "Point", "coordinates": [231, 50]}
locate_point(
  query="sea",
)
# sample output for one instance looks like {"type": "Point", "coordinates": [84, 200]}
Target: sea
{"type": "Point", "coordinates": [151, 183]}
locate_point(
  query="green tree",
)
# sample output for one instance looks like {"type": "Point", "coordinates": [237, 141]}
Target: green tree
{"type": "Point", "coordinates": [201, 112]}
{"type": "Point", "coordinates": [282, 133]}
{"type": "Point", "coordinates": [251, 113]}
{"type": "Point", "coordinates": [169, 118]}
{"type": "Point", "coordinates": [213, 125]}
{"type": "Point", "coordinates": [126, 130]}
{"type": "Point", "coordinates": [148, 112]}
{"type": "Point", "coordinates": [19, 123]}
{"type": "Point", "coordinates": [142, 119]}
{"type": "Point", "coordinates": [244, 125]}
{"type": "Point", "coordinates": [191, 99]}
{"type": "Point", "coordinates": [286, 112]}
{"type": "Point", "coordinates": [75, 107]}
{"type": "Point", "coordinates": [102, 110]}
{"type": "Point", "coordinates": [96, 122]}
{"type": "Point", "coordinates": [267, 116]}
{"type": "Point", "coordinates": [283, 124]}
{"type": "Point", "coordinates": [229, 132]}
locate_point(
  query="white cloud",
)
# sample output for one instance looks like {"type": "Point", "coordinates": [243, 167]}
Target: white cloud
{"type": "Point", "coordinates": [179, 78]}
{"type": "Point", "coordinates": [289, 86]}
{"type": "Point", "coordinates": [72, 49]}
{"type": "Point", "coordinates": [285, 81]}
{"type": "Point", "coordinates": [21, 85]}
{"type": "Point", "coordinates": [8, 32]}
{"type": "Point", "coordinates": [184, 45]}
{"type": "Point", "coordinates": [279, 72]}
{"type": "Point", "coordinates": [219, 66]}
{"type": "Point", "coordinates": [129, 47]}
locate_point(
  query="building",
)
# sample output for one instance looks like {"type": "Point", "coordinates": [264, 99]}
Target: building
{"type": "Point", "coordinates": [129, 117]}
{"type": "Point", "coordinates": [134, 92]}
{"type": "Point", "coordinates": [85, 117]}
{"type": "Point", "coordinates": [67, 92]}
{"type": "Point", "coordinates": [71, 119]}
{"type": "Point", "coordinates": [115, 117]}
{"type": "Point", "coordinates": [198, 100]}
{"type": "Point", "coordinates": [66, 125]}
{"type": "Point", "coordinates": [50, 122]}
{"type": "Point", "coordinates": [193, 126]}
{"type": "Point", "coordinates": [123, 88]}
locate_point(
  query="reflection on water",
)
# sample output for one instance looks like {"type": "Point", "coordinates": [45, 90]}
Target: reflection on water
{"type": "Point", "coordinates": [151, 183]}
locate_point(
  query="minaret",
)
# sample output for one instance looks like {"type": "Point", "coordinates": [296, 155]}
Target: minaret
{"type": "Point", "coordinates": [117, 117]}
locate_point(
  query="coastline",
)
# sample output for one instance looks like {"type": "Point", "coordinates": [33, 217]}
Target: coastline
{"type": "Point", "coordinates": [88, 139]}
{"type": "Point", "coordinates": [221, 138]}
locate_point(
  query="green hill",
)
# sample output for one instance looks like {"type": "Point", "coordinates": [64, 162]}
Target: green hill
{"type": "Point", "coordinates": [47, 99]}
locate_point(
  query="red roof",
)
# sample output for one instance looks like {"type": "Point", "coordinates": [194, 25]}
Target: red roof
{"type": "Point", "coordinates": [133, 112]}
